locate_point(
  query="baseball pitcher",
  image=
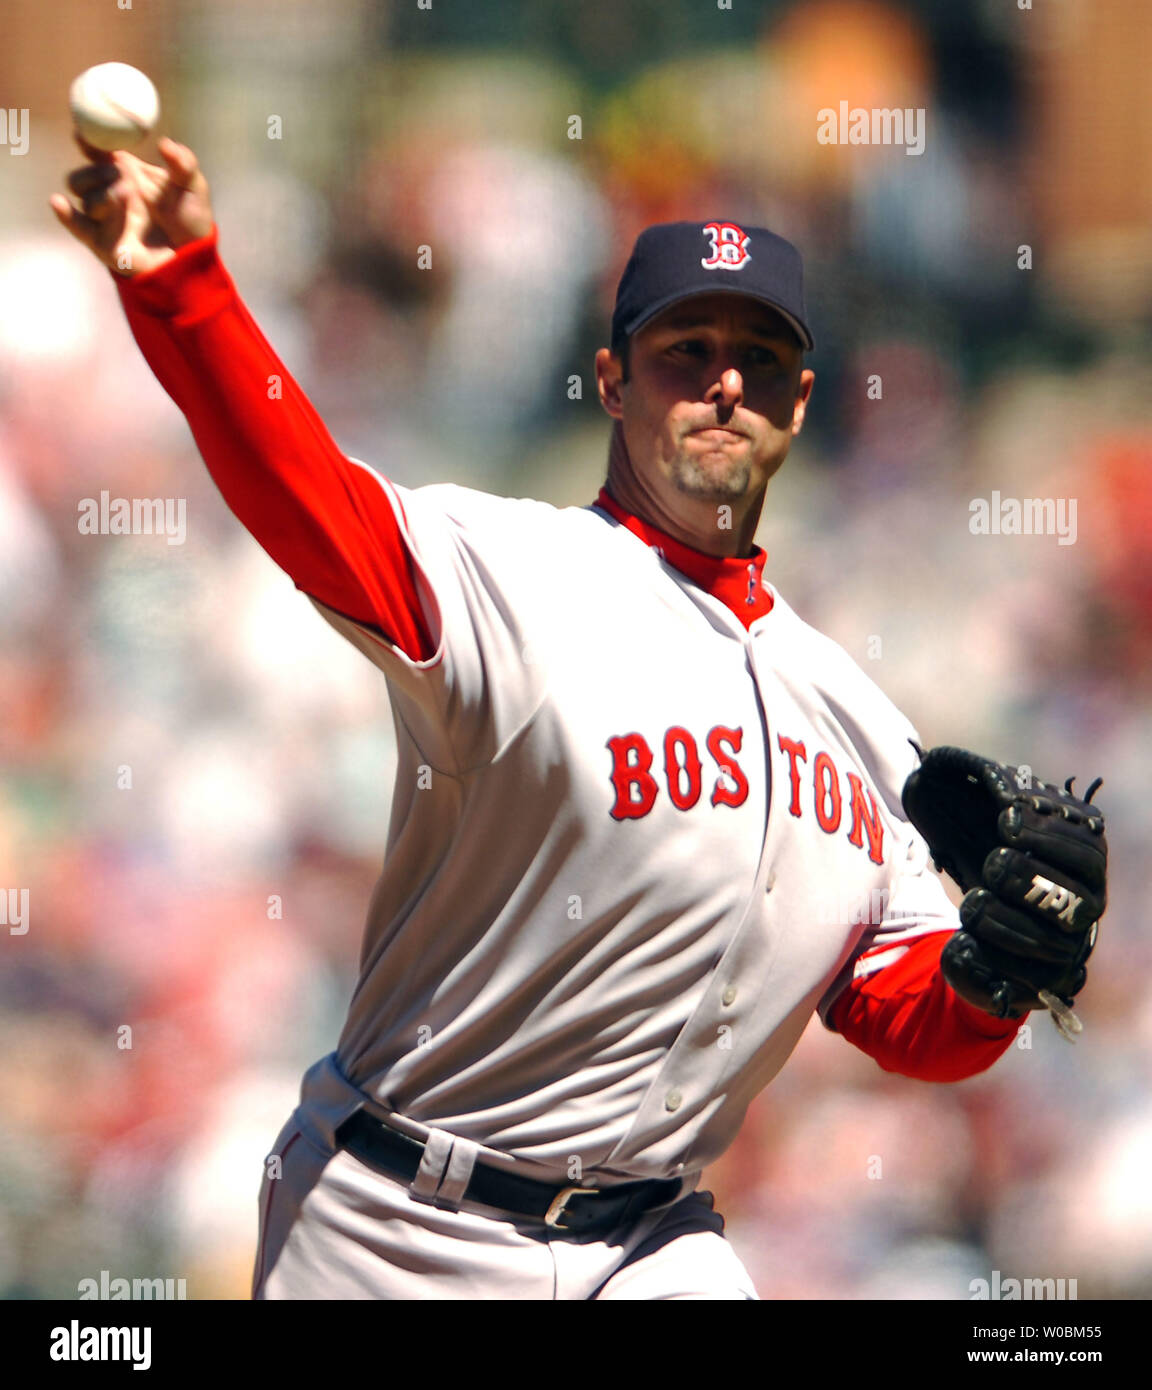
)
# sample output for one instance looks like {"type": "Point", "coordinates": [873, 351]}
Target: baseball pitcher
{"type": "Point", "coordinates": [646, 820]}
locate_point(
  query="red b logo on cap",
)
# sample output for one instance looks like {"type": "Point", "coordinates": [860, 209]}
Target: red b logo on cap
{"type": "Point", "coordinates": [729, 247]}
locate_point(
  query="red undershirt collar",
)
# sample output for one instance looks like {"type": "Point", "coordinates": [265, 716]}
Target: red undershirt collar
{"type": "Point", "coordinates": [737, 581]}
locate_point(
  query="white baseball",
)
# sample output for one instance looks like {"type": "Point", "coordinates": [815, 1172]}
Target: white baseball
{"type": "Point", "coordinates": [114, 106]}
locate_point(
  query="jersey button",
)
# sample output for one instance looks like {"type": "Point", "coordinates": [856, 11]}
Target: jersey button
{"type": "Point", "coordinates": [729, 995]}
{"type": "Point", "coordinates": [672, 1100]}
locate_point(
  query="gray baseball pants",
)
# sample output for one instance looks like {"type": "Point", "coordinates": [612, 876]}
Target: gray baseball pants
{"type": "Point", "coordinates": [333, 1228]}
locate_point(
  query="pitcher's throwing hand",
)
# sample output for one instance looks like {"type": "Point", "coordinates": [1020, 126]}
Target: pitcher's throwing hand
{"type": "Point", "coordinates": [132, 215]}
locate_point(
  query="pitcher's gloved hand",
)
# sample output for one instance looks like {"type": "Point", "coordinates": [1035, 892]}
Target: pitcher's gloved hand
{"type": "Point", "coordinates": [1032, 861]}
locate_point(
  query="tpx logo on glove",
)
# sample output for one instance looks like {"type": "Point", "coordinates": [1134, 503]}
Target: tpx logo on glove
{"type": "Point", "coordinates": [1051, 897]}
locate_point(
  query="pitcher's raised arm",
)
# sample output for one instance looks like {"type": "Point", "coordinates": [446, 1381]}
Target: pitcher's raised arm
{"type": "Point", "coordinates": [325, 519]}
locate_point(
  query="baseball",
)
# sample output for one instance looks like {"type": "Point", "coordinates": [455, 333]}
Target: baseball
{"type": "Point", "coordinates": [114, 106]}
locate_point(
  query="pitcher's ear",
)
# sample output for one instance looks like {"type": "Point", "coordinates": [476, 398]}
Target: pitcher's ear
{"type": "Point", "coordinates": [610, 380]}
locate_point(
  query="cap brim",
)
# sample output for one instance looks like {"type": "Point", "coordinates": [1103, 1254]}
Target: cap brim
{"type": "Point", "coordinates": [651, 310]}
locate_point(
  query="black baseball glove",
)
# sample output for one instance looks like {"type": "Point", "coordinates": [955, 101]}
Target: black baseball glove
{"type": "Point", "coordinates": [1031, 859]}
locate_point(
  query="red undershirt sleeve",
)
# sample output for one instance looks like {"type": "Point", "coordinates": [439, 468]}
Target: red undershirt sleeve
{"type": "Point", "coordinates": [324, 518]}
{"type": "Point", "coordinates": [912, 1022]}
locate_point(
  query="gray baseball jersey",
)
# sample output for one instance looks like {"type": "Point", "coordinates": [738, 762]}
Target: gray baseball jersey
{"type": "Point", "coordinates": [634, 845]}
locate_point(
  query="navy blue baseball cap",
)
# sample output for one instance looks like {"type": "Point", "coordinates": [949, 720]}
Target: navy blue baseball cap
{"type": "Point", "coordinates": [675, 260]}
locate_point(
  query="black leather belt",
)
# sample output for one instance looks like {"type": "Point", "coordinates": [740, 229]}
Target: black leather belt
{"type": "Point", "coordinates": [566, 1211]}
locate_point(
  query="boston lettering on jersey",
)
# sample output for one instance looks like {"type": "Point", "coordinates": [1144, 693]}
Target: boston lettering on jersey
{"type": "Point", "coordinates": [827, 801]}
{"type": "Point", "coordinates": [637, 788]}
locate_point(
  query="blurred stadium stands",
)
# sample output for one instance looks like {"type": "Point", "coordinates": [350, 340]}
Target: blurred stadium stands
{"type": "Point", "coordinates": [182, 738]}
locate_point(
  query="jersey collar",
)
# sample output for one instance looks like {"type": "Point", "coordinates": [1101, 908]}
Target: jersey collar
{"type": "Point", "coordinates": [737, 581]}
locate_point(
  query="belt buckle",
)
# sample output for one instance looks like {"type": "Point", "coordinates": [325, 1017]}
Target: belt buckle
{"type": "Point", "coordinates": [560, 1201]}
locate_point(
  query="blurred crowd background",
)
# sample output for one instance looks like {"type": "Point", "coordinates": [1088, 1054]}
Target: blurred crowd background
{"type": "Point", "coordinates": [183, 741]}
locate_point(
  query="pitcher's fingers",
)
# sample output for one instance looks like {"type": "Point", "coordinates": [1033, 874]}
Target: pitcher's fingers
{"type": "Point", "coordinates": [102, 203]}
{"type": "Point", "coordinates": [92, 176]}
{"type": "Point", "coordinates": [84, 229]}
{"type": "Point", "coordinates": [90, 151]}
{"type": "Point", "coordinates": [182, 163]}
{"type": "Point", "coordinates": [150, 180]}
